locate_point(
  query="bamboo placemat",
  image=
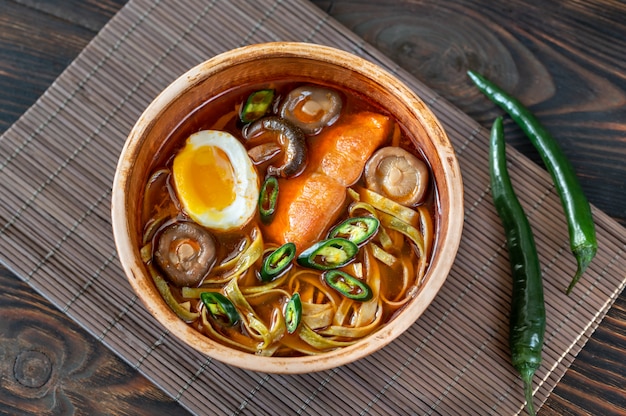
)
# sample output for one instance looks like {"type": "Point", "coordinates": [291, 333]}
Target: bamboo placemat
{"type": "Point", "coordinates": [57, 163]}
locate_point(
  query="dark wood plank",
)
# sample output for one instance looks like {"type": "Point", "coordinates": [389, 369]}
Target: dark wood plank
{"type": "Point", "coordinates": [48, 364]}
{"type": "Point", "coordinates": [565, 61]}
{"type": "Point", "coordinates": [594, 384]}
{"type": "Point", "coordinates": [38, 41]}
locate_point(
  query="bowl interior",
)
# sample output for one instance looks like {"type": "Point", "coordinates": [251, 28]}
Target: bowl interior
{"type": "Point", "coordinates": [279, 61]}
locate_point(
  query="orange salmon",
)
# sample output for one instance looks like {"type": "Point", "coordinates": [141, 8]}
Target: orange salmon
{"type": "Point", "coordinates": [342, 150]}
{"type": "Point", "coordinates": [310, 204]}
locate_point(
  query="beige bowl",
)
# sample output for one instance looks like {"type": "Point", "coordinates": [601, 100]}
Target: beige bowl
{"type": "Point", "coordinates": [258, 63]}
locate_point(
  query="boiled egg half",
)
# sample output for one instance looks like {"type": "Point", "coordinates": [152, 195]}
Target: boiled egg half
{"type": "Point", "coordinates": [215, 180]}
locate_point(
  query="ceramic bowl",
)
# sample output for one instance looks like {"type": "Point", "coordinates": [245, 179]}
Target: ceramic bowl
{"type": "Point", "coordinates": [258, 63]}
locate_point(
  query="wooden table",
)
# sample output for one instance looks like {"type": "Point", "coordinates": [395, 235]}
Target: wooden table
{"type": "Point", "coordinates": [571, 66]}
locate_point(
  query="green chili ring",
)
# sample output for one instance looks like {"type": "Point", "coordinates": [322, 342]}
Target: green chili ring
{"type": "Point", "coordinates": [349, 286]}
{"type": "Point", "coordinates": [220, 308]}
{"type": "Point", "coordinates": [277, 262]}
{"type": "Point", "coordinates": [359, 230]}
{"type": "Point", "coordinates": [328, 254]}
{"type": "Point", "coordinates": [256, 105]}
{"type": "Point", "coordinates": [293, 313]}
{"type": "Point", "coordinates": [268, 198]}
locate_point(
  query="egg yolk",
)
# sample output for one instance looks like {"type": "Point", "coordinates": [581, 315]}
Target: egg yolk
{"type": "Point", "coordinates": [206, 177]}
{"type": "Point", "coordinates": [215, 180]}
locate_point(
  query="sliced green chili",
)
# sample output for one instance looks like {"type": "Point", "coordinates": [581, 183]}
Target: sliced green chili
{"type": "Point", "coordinates": [220, 308]}
{"type": "Point", "coordinates": [268, 197]}
{"type": "Point", "coordinates": [357, 229]}
{"type": "Point", "coordinates": [328, 254]}
{"type": "Point", "coordinates": [293, 313]}
{"type": "Point", "coordinates": [527, 320]}
{"type": "Point", "coordinates": [575, 205]}
{"type": "Point", "coordinates": [256, 105]}
{"type": "Point", "coordinates": [349, 286]}
{"type": "Point", "coordinates": [277, 262]}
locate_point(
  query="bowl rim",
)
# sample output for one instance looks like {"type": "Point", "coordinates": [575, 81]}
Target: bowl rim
{"type": "Point", "coordinates": [135, 271]}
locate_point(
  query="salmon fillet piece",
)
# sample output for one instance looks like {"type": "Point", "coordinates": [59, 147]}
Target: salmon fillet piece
{"type": "Point", "coordinates": [306, 207]}
{"type": "Point", "coordinates": [309, 204]}
{"type": "Point", "coordinates": [342, 150]}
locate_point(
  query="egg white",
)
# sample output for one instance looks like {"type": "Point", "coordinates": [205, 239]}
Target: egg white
{"type": "Point", "coordinates": [246, 186]}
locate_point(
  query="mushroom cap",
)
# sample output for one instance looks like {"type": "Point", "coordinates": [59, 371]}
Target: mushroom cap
{"type": "Point", "coordinates": [186, 252]}
{"type": "Point", "coordinates": [311, 107]}
{"type": "Point", "coordinates": [398, 175]}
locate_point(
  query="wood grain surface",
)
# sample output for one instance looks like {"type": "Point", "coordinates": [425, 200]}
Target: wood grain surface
{"type": "Point", "coordinates": [564, 59]}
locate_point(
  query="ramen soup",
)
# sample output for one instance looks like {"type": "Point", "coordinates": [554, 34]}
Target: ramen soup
{"type": "Point", "coordinates": [288, 219]}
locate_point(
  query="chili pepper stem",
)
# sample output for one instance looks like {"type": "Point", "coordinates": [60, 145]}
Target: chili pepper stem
{"type": "Point", "coordinates": [527, 377]}
{"type": "Point", "coordinates": [583, 255]}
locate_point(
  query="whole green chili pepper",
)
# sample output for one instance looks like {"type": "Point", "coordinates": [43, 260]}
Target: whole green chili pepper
{"type": "Point", "coordinates": [575, 205]}
{"type": "Point", "coordinates": [528, 316]}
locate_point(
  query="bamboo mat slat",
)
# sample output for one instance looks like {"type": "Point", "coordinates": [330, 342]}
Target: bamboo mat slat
{"type": "Point", "coordinates": [56, 167]}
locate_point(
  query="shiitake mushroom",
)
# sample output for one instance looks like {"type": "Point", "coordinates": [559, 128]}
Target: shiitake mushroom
{"type": "Point", "coordinates": [398, 175]}
{"type": "Point", "coordinates": [186, 252]}
{"type": "Point", "coordinates": [277, 135]}
{"type": "Point", "coordinates": [311, 108]}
